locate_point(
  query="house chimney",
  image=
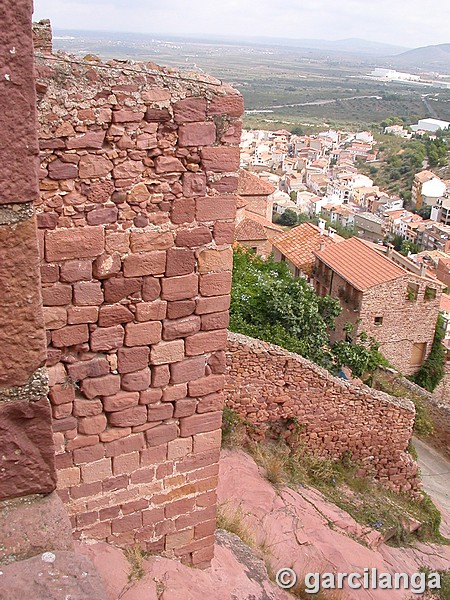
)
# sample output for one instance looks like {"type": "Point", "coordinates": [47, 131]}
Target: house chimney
{"type": "Point", "coordinates": [331, 232]}
{"type": "Point", "coordinates": [390, 249]}
{"type": "Point", "coordinates": [423, 270]}
{"type": "Point", "coordinates": [322, 225]}
{"type": "Point", "coordinates": [322, 246]}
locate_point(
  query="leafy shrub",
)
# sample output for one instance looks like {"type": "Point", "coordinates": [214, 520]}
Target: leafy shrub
{"type": "Point", "coordinates": [433, 369]}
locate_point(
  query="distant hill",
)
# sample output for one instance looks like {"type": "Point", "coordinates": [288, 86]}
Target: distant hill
{"type": "Point", "coordinates": [434, 58]}
{"type": "Point", "coordinates": [353, 45]}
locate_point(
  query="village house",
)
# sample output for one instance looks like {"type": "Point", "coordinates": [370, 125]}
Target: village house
{"type": "Point", "coordinates": [297, 246]}
{"type": "Point", "coordinates": [398, 308]}
{"type": "Point", "coordinates": [426, 189]}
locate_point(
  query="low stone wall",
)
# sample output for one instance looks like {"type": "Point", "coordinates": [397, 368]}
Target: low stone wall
{"type": "Point", "coordinates": [268, 385]}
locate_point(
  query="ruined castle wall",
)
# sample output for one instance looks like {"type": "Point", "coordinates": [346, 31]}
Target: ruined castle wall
{"type": "Point", "coordinates": [271, 387]}
{"type": "Point", "coordinates": [136, 219]}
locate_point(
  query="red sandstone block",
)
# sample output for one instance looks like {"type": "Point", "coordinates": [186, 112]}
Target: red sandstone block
{"type": "Point", "coordinates": [126, 463]}
{"type": "Point", "coordinates": [146, 263]}
{"type": "Point", "coordinates": [159, 412]}
{"type": "Point", "coordinates": [137, 381]}
{"type": "Point", "coordinates": [76, 270]}
{"type": "Point", "coordinates": [65, 424]}
{"type": "Point", "coordinates": [217, 362]}
{"type": "Point", "coordinates": [49, 273]}
{"type": "Point", "coordinates": [114, 315]}
{"type": "Point", "coordinates": [118, 288]}
{"type": "Point", "coordinates": [185, 407]}
{"type": "Point", "coordinates": [92, 425]}
{"type": "Point", "coordinates": [214, 208]}
{"type": "Point", "coordinates": [196, 461]}
{"type": "Point", "coordinates": [112, 434]}
{"type": "Point", "coordinates": [174, 392]}
{"type": "Point", "coordinates": [167, 352]}
{"type": "Point", "coordinates": [47, 220]}
{"type": "Point", "coordinates": [102, 216]}
{"type": "Point", "coordinates": [132, 359]}
{"type": "Point", "coordinates": [127, 116]}
{"type": "Point", "coordinates": [174, 329]}
{"type": "Point", "coordinates": [231, 105]}
{"type": "Point", "coordinates": [77, 315]}
{"type": "Point", "coordinates": [148, 241]}
{"type": "Point", "coordinates": [108, 514]}
{"type": "Point", "coordinates": [87, 293]}
{"type": "Point", "coordinates": [200, 423]}
{"type": "Point", "coordinates": [57, 294]}
{"type": "Point", "coordinates": [68, 477]}
{"type": "Point", "coordinates": [154, 456]}
{"type": "Point", "coordinates": [182, 308]}
{"type": "Point", "coordinates": [201, 559]}
{"type": "Point", "coordinates": [70, 336]}
{"type": "Point", "coordinates": [204, 442]}
{"type": "Point", "coordinates": [117, 241]}
{"type": "Point", "coordinates": [207, 499]}
{"type": "Point", "coordinates": [225, 185]}
{"type": "Point", "coordinates": [161, 434]}
{"type": "Point", "coordinates": [88, 368]}
{"type": "Point", "coordinates": [62, 411]}
{"type": "Point", "coordinates": [190, 110]}
{"type": "Point", "coordinates": [215, 284]}
{"type": "Point", "coordinates": [180, 261]}
{"type": "Point", "coordinates": [160, 375]}
{"type": "Point", "coordinates": [128, 523]}
{"type": "Point", "coordinates": [192, 238]}
{"type": "Point", "coordinates": [210, 403]}
{"type": "Point", "coordinates": [120, 401]}
{"type": "Point", "coordinates": [88, 454]}
{"type": "Point", "coordinates": [194, 184]}
{"type": "Point", "coordinates": [101, 386]}
{"type": "Point", "coordinates": [213, 304]}
{"type": "Point", "coordinates": [197, 134]}
{"type": "Point", "coordinates": [179, 448]}
{"type": "Point", "coordinates": [206, 385]}
{"type": "Point", "coordinates": [219, 320]}
{"type": "Point", "coordinates": [224, 232]}
{"type": "Point", "coordinates": [106, 265]}
{"type": "Point", "coordinates": [146, 475]}
{"type": "Point", "coordinates": [61, 170]}
{"type": "Point", "coordinates": [91, 139]}
{"type": "Point", "coordinates": [96, 471]}
{"type": "Point", "coordinates": [195, 518]}
{"type": "Point", "coordinates": [179, 539]}
{"type": "Point", "coordinates": [140, 334]}
{"type": "Point", "coordinates": [85, 489]}
{"type": "Point", "coordinates": [232, 133]}
{"type": "Point", "coordinates": [115, 483]}
{"type": "Point", "coordinates": [126, 445]}
{"type": "Point", "coordinates": [159, 115]}
{"type": "Point", "coordinates": [168, 164]}
{"type": "Point", "coordinates": [150, 396]}
{"type": "Point", "coordinates": [183, 211]}
{"type": "Point", "coordinates": [215, 261]}
{"type": "Point", "coordinates": [136, 505]}
{"type": "Point", "coordinates": [62, 394]}
{"type": "Point", "coordinates": [151, 289]}
{"type": "Point", "coordinates": [86, 408]}
{"type": "Point", "coordinates": [202, 342]}
{"type": "Point", "coordinates": [107, 338]}
{"type": "Point", "coordinates": [151, 311]}
{"type": "Point", "coordinates": [188, 370]}
{"type": "Point", "coordinates": [220, 159]}
{"type": "Point", "coordinates": [153, 516]}
{"type": "Point", "coordinates": [81, 242]}
{"type": "Point", "coordinates": [180, 288]}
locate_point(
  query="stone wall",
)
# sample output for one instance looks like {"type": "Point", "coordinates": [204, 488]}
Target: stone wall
{"type": "Point", "coordinates": [269, 386]}
{"type": "Point", "coordinates": [136, 218]}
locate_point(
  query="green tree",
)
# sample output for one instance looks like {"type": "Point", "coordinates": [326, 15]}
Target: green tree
{"type": "Point", "coordinates": [433, 369]}
{"type": "Point", "coordinates": [288, 218]}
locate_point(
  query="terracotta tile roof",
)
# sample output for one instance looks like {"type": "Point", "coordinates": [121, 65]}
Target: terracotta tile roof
{"type": "Point", "coordinates": [300, 243]}
{"type": "Point", "coordinates": [424, 176]}
{"type": "Point", "coordinates": [255, 227]}
{"type": "Point", "coordinates": [252, 185]}
{"type": "Point", "coordinates": [445, 303]}
{"type": "Point", "coordinates": [360, 265]}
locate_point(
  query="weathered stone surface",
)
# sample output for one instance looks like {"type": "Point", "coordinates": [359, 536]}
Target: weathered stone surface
{"type": "Point", "coordinates": [26, 449]}
{"type": "Point", "coordinates": [52, 576]}
{"type": "Point", "coordinates": [197, 134]}
{"type": "Point", "coordinates": [63, 244]}
{"type": "Point", "coordinates": [22, 336]}
{"type": "Point", "coordinates": [92, 166]}
{"type": "Point", "coordinates": [168, 164]}
{"type": "Point", "coordinates": [220, 159]}
{"type": "Point", "coordinates": [31, 525]}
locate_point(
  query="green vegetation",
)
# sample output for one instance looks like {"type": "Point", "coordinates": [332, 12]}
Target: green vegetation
{"type": "Point", "coordinates": [423, 423]}
{"type": "Point", "coordinates": [136, 556]}
{"type": "Point", "coordinates": [444, 592]}
{"type": "Point", "coordinates": [290, 219]}
{"type": "Point", "coordinates": [433, 369]}
{"type": "Point", "coordinates": [403, 246]}
{"type": "Point", "coordinates": [342, 482]}
{"type": "Point", "coordinates": [268, 303]}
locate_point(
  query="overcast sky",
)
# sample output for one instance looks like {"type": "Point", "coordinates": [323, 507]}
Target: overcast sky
{"type": "Point", "coordinates": [410, 23]}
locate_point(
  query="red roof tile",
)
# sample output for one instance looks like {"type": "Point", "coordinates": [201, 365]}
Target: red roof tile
{"type": "Point", "coordinates": [360, 265]}
{"type": "Point", "coordinates": [300, 243]}
{"type": "Point", "coordinates": [252, 185]}
{"type": "Point", "coordinates": [255, 227]}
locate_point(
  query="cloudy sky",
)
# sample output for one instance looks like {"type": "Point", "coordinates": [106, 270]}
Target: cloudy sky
{"type": "Point", "coordinates": [410, 23]}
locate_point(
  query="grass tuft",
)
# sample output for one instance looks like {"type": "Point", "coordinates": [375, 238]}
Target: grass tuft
{"type": "Point", "coordinates": [136, 556]}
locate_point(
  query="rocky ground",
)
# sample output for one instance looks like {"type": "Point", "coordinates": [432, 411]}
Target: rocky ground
{"type": "Point", "coordinates": [286, 528]}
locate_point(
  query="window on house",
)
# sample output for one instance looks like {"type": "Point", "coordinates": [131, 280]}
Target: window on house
{"type": "Point", "coordinates": [430, 293]}
{"type": "Point", "coordinates": [418, 354]}
{"type": "Point", "coordinates": [378, 320]}
{"type": "Point", "coordinates": [412, 292]}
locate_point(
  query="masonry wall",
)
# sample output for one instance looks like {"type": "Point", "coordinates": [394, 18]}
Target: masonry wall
{"type": "Point", "coordinates": [269, 386]}
{"type": "Point", "coordinates": [136, 218]}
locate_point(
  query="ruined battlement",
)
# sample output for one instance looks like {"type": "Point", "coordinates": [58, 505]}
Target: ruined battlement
{"type": "Point", "coordinates": [136, 219]}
